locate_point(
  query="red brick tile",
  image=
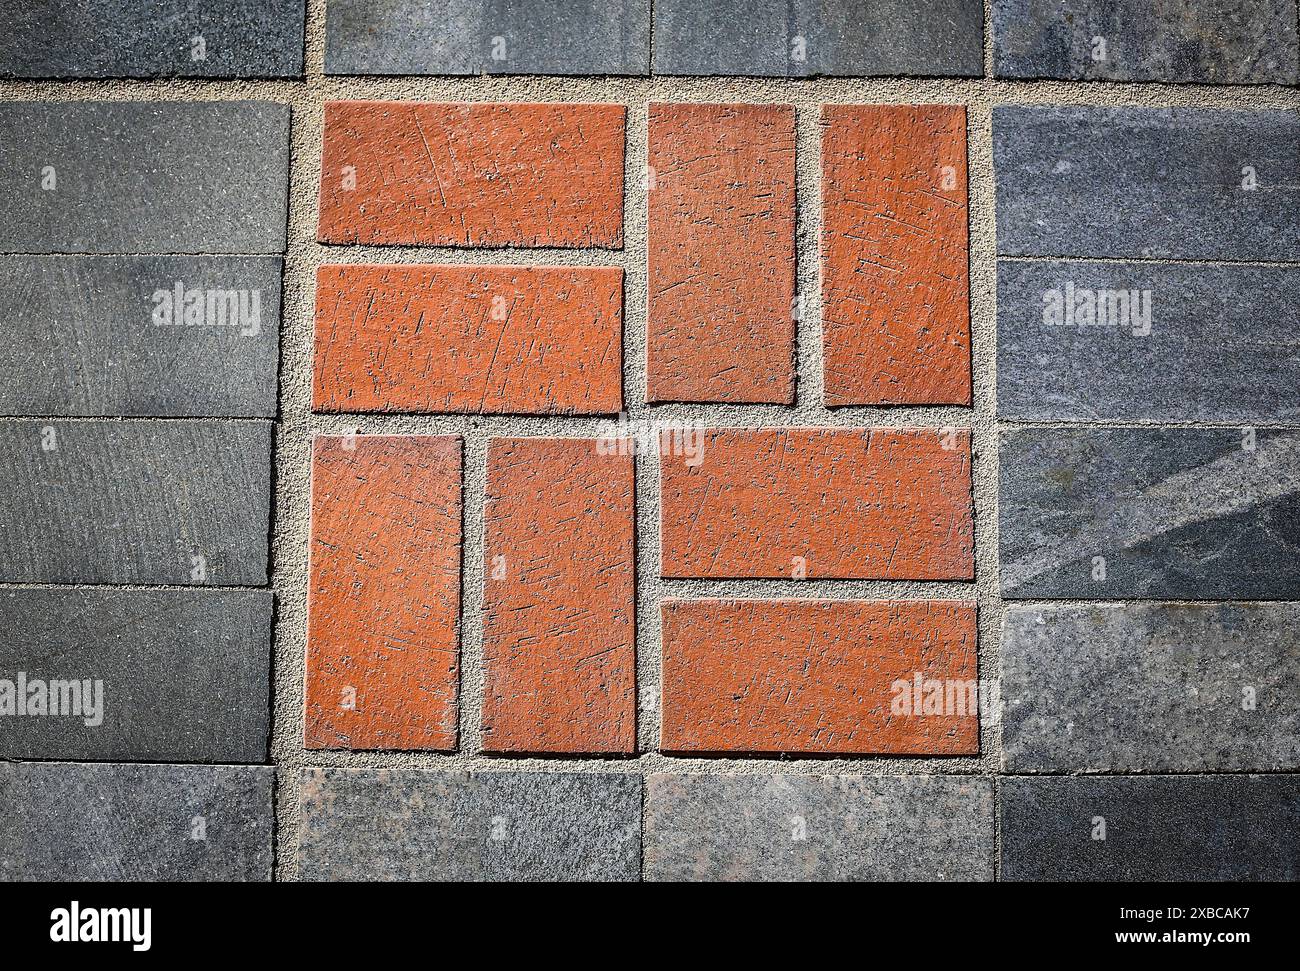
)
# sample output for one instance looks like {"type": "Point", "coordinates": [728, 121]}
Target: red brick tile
{"type": "Point", "coordinates": [820, 677]}
{"type": "Point", "coordinates": [397, 172]}
{"type": "Point", "coordinates": [895, 277]}
{"type": "Point", "coordinates": [383, 649]}
{"type": "Point", "coordinates": [862, 503]}
{"type": "Point", "coordinates": [722, 258]}
{"type": "Point", "coordinates": [469, 339]}
{"type": "Point", "coordinates": [559, 614]}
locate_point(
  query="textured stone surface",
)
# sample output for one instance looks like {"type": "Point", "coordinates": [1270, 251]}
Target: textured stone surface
{"type": "Point", "coordinates": [106, 335]}
{"type": "Point", "coordinates": [821, 827]}
{"type": "Point", "coordinates": [721, 316]}
{"type": "Point", "coordinates": [144, 176]}
{"type": "Point", "coordinates": [1081, 341]}
{"type": "Point", "coordinates": [400, 824]}
{"type": "Point", "coordinates": [809, 676]}
{"type": "Point", "coordinates": [177, 502]}
{"type": "Point", "coordinates": [396, 172]}
{"type": "Point", "coordinates": [1178, 513]}
{"type": "Point", "coordinates": [383, 647]}
{"type": "Point", "coordinates": [184, 675]}
{"type": "Point", "coordinates": [76, 822]}
{"type": "Point", "coordinates": [1157, 828]}
{"type": "Point", "coordinates": [1147, 182]}
{"type": "Point", "coordinates": [805, 38]}
{"type": "Point", "coordinates": [1206, 42]}
{"type": "Point", "coordinates": [1151, 688]}
{"type": "Point", "coordinates": [573, 37]}
{"type": "Point", "coordinates": [151, 38]}
{"type": "Point", "coordinates": [476, 340]}
{"type": "Point", "coordinates": [806, 502]}
{"type": "Point", "coordinates": [559, 609]}
{"type": "Point", "coordinates": [894, 255]}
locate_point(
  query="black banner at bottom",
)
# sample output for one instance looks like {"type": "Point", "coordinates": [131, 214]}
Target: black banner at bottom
{"type": "Point", "coordinates": [366, 921]}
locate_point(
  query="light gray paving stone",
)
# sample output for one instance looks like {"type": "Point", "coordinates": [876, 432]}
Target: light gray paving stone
{"type": "Point", "coordinates": [193, 336]}
{"type": "Point", "coordinates": [79, 822]}
{"type": "Point", "coordinates": [806, 38]}
{"type": "Point", "coordinates": [406, 824]}
{"type": "Point", "coordinates": [1176, 513]}
{"type": "Point", "coordinates": [800, 828]}
{"type": "Point", "coordinates": [135, 675]}
{"type": "Point", "coordinates": [1156, 828]}
{"type": "Point", "coordinates": [1088, 341]}
{"type": "Point", "coordinates": [460, 37]}
{"type": "Point", "coordinates": [1147, 182]}
{"type": "Point", "coordinates": [144, 176]}
{"type": "Point", "coordinates": [1205, 42]}
{"type": "Point", "coordinates": [170, 502]}
{"type": "Point", "coordinates": [1151, 688]}
{"type": "Point", "coordinates": [151, 38]}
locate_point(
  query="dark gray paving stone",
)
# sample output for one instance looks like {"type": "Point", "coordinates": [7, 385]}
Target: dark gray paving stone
{"type": "Point", "coordinates": [410, 824]}
{"type": "Point", "coordinates": [113, 336]}
{"type": "Point", "coordinates": [1147, 182]}
{"type": "Point", "coordinates": [806, 38]}
{"type": "Point", "coordinates": [135, 502]}
{"type": "Point", "coordinates": [1158, 828]}
{"type": "Point", "coordinates": [1206, 42]}
{"type": "Point", "coordinates": [1187, 514]}
{"type": "Point", "coordinates": [800, 828]}
{"type": "Point", "coordinates": [458, 37]}
{"type": "Point", "coordinates": [1151, 688]}
{"type": "Point", "coordinates": [144, 177]}
{"type": "Point", "coordinates": [151, 38]}
{"type": "Point", "coordinates": [1148, 341]}
{"type": "Point", "coordinates": [70, 821]}
{"type": "Point", "coordinates": [135, 675]}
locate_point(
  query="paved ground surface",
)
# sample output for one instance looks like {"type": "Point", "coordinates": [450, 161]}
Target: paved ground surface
{"type": "Point", "coordinates": [497, 626]}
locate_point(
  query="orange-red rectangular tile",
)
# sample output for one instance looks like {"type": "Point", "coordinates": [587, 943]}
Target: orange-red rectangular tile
{"type": "Point", "coordinates": [721, 253]}
{"type": "Point", "coordinates": [559, 616]}
{"type": "Point", "coordinates": [800, 503]}
{"type": "Point", "coordinates": [846, 677]}
{"type": "Point", "coordinates": [894, 255]}
{"type": "Point", "coordinates": [401, 172]}
{"type": "Point", "coordinates": [383, 649]}
{"type": "Point", "coordinates": [469, 339]}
